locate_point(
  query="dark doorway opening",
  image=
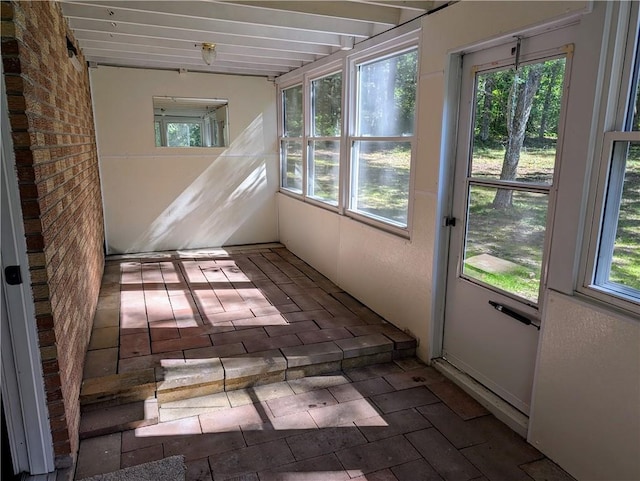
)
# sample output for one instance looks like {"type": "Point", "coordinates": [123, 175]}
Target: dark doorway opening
{"type": "Point", "coordinates": [6, 462]}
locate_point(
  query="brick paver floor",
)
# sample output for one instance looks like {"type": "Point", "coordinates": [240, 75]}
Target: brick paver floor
{"type": "Point", "coordinates": [398, 420]}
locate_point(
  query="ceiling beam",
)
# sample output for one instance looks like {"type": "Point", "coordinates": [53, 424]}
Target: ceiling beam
{"type": "Point", "coordinates": [244, 14]}
{"type": "Point", "coordinates": [96, 38]}
{"type": "Point", "coordinates": [336, 9]}
{"type": "Point", "coordinates": [195, 36]}
{"type": "Point", "coordinates": [183, 63]}
{"type": "Point", "coordinates": [152, 64]}
{"type": "Point", "coordinates": [206, 26]}
{"type": "Point", "coordinates": [423, 6]}
{"type": "Point", "coordinates": [100, 49]}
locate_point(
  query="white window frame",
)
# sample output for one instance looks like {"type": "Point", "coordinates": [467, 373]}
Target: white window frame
{"type": "Point", "coordinates": [405, 38]}
{"type": "Point", "coordinates": [164, 121]}
{"type": "Point", "coordinates": [371, 56]}
{"type": "Point", "coordinates": [311, 138]}
{"type": "Point", "coordinates": [609, 171]}
{"type": "Point", "coordinates": [305, 81]}
{"type": "Point", "coordinates": [282, 138]}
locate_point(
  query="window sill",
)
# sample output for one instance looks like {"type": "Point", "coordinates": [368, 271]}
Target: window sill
{"type": "Point", "coordinates": [379, 224]}
{"type": "Point", "coordinates": [609, 302]}
{"type": "Point", "coordinates": [168, 150]}
{"type": "Point", "coordinates": [309, 200]}
{"type": "Point", "coordinates": [396, 231]}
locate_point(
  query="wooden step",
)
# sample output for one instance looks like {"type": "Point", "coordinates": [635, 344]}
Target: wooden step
{"type": "Point", "coordinates": [131, 399]}
{"type": "Point", "coordinates": [107, 420]}
{"type": "Point", "coordinates": [121, 388]}
{"type": "Point", "coordinates": [181, 379]}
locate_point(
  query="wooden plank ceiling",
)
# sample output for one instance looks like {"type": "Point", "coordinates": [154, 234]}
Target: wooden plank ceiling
{"type": "Point", "coordinates": [265, 38]}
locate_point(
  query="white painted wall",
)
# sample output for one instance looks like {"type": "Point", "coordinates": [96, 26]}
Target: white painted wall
{"type": "Point", "coordinates": [387, 273]}
{"type": "Point", "coordinates": [586, 402]}
{"type": "Point", "coordinates": [160, 198]}
{"type": "Point", "coordinates": [586, 399]}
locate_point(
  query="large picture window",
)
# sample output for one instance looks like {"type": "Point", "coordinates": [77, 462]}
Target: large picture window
{"type": "Point", "coordinates": [383, 141]}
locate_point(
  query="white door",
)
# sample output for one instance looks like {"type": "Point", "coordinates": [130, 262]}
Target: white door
{"type": "Point", "coordinates": [508, 153]}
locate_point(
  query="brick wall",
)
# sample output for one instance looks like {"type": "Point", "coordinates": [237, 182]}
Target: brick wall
{"type": "Point", "coordinates": [57, 169]}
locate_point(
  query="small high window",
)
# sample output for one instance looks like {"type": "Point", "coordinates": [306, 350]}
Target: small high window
{"type": "Point", "coordinates": [190, 122]}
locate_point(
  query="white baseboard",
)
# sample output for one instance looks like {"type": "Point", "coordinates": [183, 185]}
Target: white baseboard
{"type": "Point", "coordinates": [494, 404]}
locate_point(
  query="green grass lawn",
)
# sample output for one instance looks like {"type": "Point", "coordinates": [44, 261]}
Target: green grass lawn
{"type": "Point", "coordinates": [517, 234]}
{"type": "Point", "coordinates": [383, 186]}
{"type": "Point", "coordinates": [625, 267]}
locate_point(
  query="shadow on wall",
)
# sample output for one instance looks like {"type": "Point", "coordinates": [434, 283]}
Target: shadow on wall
{"type": "Point", "coordinates": [220, 201]}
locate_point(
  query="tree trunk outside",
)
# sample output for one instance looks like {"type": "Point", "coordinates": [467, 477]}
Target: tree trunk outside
{"type": "Point", "coordinates": [520, 102]}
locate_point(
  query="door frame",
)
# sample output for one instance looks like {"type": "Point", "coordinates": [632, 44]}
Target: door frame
{"type": "Point", "coordinates": [23, 391]}
{"type": "Point", "coordinates": [453, 81]}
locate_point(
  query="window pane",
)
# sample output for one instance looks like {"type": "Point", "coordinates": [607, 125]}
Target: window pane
{"type": "Point", "coordinates": [291, 152]}
{"type": "Point", "coordinates": [324, 170]}
{"type": "Point", "coordinates": [292, 111]}
{"type": "Point", "coordinates": [185, 122]}
{"type": "Point", "coordinates": [633, 116]}
{"type": "Point", "coordinates": [635, 106]}
{"type": "Point", "coordinates": [183, 134]}
{"type": "Point", "coordinates": [516, 118]}
{"type": "Point", "coordinates": [625, 258]}
{"type": "Point", "coordinates": [326, 99]}
{"type": "Point", "coordinates": [156, 126]}
{"type": "Point", "coordinates": [503, 247]}
{"type": "Point", "coordinates": [387, 95]}
{"type": "Point", "coordinates": [380, 180]}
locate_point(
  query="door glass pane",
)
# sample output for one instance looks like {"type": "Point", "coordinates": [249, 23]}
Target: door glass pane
{"type": "Point", "coordinates": [387, 96]}
{"type": "Point", "coordinates": [625, 261]}
{"type": "Point", "coordinates": [380, 180]}
{"type": "Point", "coordinates": [516, 118]}
{"type": "Point", "coordinates": [504, 247]}
{"type": "Point", "coordinates": [326, 100]}
{"type": "Point", "coordinates": [324, 169]}
{"type": "Point", "coordinates": [291, 151]}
